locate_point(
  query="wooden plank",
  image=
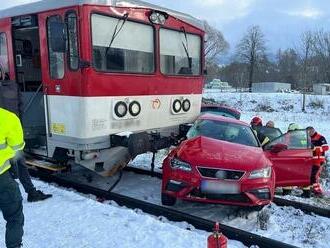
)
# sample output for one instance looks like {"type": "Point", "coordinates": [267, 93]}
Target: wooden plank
{"type": "Point", "coordinates": [45, 165]}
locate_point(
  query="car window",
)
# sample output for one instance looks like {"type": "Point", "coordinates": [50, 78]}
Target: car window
{"type": "Point", "coordinates": [297, 139]}
{"type": "Point", "coordinates": [220, 111]}
{"type": "Point", "coordinates": [270, 132]}
{"type": "Point", "coordinates": [230, 132]}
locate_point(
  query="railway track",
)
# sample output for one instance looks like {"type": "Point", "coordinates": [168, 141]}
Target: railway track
{"type": "Point", "coordinates": [306, 208]}
{"type": "Point", "coordinates": [245, 237]}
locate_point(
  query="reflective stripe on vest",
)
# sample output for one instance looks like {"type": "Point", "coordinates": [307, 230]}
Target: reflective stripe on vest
{"type": "Point", "coordinates": [3, 146]}
{"type": "Point", "coordinates": [4, 167]}
{"type": "Point", "coordinates": [18, 147]}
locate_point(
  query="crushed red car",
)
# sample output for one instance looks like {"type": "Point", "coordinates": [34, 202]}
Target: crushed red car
{"type": "Point", "coordinates": [223, 162]}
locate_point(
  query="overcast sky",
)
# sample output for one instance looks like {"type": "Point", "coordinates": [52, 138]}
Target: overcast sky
{"type": "Point", "coordinates": [282, 21]}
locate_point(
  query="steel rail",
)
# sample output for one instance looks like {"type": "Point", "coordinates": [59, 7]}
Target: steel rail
{"type": "Point", "coordinates": [245, 237]}
{"type": "Point", "coordinates": [306, 208]}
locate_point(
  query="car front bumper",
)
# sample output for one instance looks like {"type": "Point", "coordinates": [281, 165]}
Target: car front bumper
{"type": "Point", "coordinates": [189, 186]}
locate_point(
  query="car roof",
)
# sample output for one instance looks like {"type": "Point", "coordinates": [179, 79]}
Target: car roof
{"type": "Point", "coordinates": [214, 105]}
{"type": "Point", "coordinates": [214, 117]}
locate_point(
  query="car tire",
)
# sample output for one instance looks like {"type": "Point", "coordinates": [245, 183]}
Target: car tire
{"type": "Point", "coordinates": [168, 200]}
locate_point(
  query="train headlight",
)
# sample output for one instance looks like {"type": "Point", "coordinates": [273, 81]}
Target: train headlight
{"type": "Point", "coordinates": [176, 106]}
{"type": "Point", "coordinates": [158, 17]}
{"type": "Point", "coordinates": [120, 109]}
{"type": "Point", "coordinates": [134, 108]}
{"type": "Point", "coordinates": [186, 105]}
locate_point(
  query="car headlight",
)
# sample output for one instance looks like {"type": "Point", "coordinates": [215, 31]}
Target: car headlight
{"type": "Point", "coordinates": [263, 173]}
{"type": "Point", "coordinates": [180, 165]}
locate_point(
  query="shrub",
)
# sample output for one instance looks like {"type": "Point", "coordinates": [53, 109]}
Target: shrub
{"type": "Point", "coordinates": [316, 104]}
{"type": "Point", "coordinates": [263, 108]}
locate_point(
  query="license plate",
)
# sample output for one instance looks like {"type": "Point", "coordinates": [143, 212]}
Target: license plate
{"type": "Point", "coordinates": [219, 187]}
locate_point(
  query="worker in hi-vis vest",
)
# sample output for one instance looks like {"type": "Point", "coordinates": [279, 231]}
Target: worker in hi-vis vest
{"type": "Point", "coordinates": [11, 141]}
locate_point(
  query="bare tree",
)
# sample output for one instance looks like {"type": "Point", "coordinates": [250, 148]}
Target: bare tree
{"type": "Point", "coordinates": [321, 48]}
{"type": "Point", "coordinates": [251, 50]}
{"type": "Point", "coordinates": [215, 43]}
{"type": "Point", "coordinates": [288, 66]}
{"type": "Point", "coordinates": [306, 52]}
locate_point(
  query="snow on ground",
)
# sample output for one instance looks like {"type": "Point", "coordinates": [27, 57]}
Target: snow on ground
{"type": "Point", "coordinates": [74, 220]}
{"type": "Point", "coordinates": [286, 224]}
{"type": "Point", "coordinates": [282, 108]}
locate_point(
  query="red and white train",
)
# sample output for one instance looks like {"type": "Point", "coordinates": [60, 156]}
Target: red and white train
{"type": "Point", "coordinates": [88, 70]}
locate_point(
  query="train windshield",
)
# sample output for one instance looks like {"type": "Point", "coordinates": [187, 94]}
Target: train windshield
{"type": "Point", "coordinates": [180, 52]}
{"type": "Point", "coordinates": [130, 50]}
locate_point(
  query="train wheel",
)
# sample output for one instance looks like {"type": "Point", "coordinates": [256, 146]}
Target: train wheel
{"type": "Point", "coordinates": [168, 200]}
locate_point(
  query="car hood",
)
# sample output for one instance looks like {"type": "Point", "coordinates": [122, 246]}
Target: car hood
{"type": "Point", "coordinates": [204, 151]}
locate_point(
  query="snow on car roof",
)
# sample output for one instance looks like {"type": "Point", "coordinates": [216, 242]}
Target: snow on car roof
{"type": "Point", "coordinates": [208, 116]}
{"type": "Point", "coordinates": [44, 5]}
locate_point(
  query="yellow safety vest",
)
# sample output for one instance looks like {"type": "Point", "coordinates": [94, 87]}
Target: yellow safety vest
{"type": "Point", "coordinates": [11, 138]}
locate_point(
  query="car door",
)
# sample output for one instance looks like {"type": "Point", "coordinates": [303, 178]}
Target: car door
{"type": "Point", "coordinates": [293, 162]}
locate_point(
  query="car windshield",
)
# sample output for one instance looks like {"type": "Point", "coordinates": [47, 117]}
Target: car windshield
{"type": "Point", "coordinates": [226, 131]}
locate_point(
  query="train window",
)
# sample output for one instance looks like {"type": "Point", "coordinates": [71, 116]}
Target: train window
{"type": "Point", "coordinates": [180, 53]}
{"type": "Point", "coordinates": [124, 46]}
{"type": "Point", "coordinates": [73, 56]}
{"type": "Point", "coordinates": [56, 59]}
{"type": "Point", "coordinates": [4, 70]}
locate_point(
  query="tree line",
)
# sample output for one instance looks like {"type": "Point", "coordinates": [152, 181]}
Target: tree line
{"type": "Point", "coordinates": [302, 65]}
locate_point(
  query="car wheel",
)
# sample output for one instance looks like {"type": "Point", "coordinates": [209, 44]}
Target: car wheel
{"type": "Point", "coordinates": [168, 200]}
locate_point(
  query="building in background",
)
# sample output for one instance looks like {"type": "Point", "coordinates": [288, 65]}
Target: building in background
{"type": "Point", "coordinates": [271, 87]}
{"type": "Point", "coordinates": [321, 89]}
{"type": "Point", "coordinates": [218, 84]}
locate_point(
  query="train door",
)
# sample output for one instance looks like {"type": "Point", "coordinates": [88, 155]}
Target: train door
{"type": "Point", "coordinates": [8, 87]}
{"type": "Point", "coordinates": [61, 73]}
{"type": "Point", "coordinates": [26, 49]}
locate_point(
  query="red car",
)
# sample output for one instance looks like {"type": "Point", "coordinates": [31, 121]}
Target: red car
{"type": "Point", "coordinates": [222, 161]}
{"type": "Point", "coordinates": [220, 109]}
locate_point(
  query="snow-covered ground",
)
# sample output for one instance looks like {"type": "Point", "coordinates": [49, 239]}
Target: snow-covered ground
{"type": "Point", "coordinates": [71, 220]}
{"type": "Point", "coordinates": [282, 108]}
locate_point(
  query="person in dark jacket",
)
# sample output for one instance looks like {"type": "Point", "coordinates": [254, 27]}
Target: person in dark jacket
{"type": "Point", "coordinates": [256, 124]}
{"type": "Point", "coordinates": [316, 138]}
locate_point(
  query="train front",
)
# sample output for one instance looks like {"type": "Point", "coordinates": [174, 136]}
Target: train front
{"type": "Point", "coordinates": [142, 71]}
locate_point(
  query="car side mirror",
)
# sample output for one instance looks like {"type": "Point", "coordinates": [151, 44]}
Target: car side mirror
{"type": "Point", "coordinates": [325, 148]}
{"type": "Point", "coordinates": [278, 148]}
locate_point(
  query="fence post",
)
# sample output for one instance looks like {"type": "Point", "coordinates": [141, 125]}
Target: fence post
{"type": "Point", "coordinates": [304, 101]}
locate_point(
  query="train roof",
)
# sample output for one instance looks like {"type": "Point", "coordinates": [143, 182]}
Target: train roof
{"type": "Point", "coordinates": [45, 5]}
